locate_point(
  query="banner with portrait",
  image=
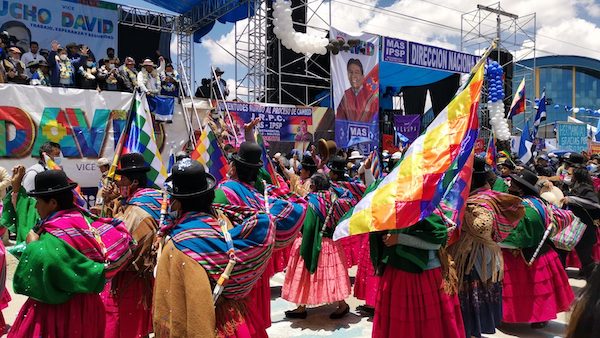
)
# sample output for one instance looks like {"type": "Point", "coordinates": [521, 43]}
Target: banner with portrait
{"type": "Point", "coordinates": [93, 24]}
{"type": "Point", "coordinates": [355, 81]}
{"type": "Point", "coordinates": [87, 125]}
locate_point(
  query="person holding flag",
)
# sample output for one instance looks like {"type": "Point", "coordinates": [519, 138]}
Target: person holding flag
{"type": "Point", "coordinates": [288, 216]}
{"type": "Point", "coordinates": [202, 242]}
{"type": "Point", "coordinates": [536, 287]}
{"type": "Point", "coordinates": [128, 297]}
{"type": "Point", "coordinates": [478, 257]}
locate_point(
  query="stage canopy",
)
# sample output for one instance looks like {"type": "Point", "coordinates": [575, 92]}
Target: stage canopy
{"type": "Point", "coordinates": [204, 13]}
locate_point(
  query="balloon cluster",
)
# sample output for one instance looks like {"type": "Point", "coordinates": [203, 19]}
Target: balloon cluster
{"type": "Point", "coordinates": [495, 101]}
{"type": "Point", "coordinates": [298, 42]}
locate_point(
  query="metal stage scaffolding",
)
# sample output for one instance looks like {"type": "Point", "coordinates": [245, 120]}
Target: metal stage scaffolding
{"type": "Point", "coordinates": [266, 71]}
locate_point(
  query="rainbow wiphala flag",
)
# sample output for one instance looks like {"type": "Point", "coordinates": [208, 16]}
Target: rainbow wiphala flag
{"type": "Point", "coordinates": [138, 137]}
{"type": "Point", "coordinates": [208, 153]}
{"type": "Point", "coordinates": [437, 166]}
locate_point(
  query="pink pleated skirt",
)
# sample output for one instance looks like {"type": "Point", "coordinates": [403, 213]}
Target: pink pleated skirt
{"type": "Point", "coordinates": [351, 246]}
{"type": "Point", "coordinates": [535, 293]}
{"type": "Point", "coordinates": [414, 305]}
{"type": "Point", "coordinates": [279, 260]}
{"type": "Point", "coordinates": [330, 282]}
{"type": "Point", "coordinates": [82, 316]}
{"type": "Point", "coordinates": [129, 310]}
{"type": "Point", "coordinates": [366, 282]}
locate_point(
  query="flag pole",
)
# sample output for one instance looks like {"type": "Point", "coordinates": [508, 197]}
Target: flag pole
{"type": "Point", "coordinates": [110, 177]}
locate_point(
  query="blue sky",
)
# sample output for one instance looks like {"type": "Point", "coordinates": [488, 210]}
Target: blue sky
{"type": "Point", "coordinates": [564, 27]}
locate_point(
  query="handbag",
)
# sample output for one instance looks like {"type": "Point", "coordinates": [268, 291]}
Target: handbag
{"type": "Point", "coordinates": [567, 238]}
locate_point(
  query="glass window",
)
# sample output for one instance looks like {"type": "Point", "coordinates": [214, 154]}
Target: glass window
{"type": "Point", "coordinates": [587, 89]}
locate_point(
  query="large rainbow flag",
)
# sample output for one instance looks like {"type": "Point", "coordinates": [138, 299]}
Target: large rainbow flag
{"type": "Point", "coordinates": [138, 137]}
{"type": "Point", "coordinates": [435, 167]}
{"type": "Point", "coordinates": [208, 153]}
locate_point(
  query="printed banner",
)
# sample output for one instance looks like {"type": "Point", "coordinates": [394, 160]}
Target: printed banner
{"type": "Point", "coordinates": [594, 147]}
{"type": "Point", "coordinates": [408, 125]}
{"type": "Point", "coordinates": [279, 123]}
{"type": "Point", "coordinates": [93, 24]}
{"type": "Point", "coordinates": [355, 79]}
{"type": "Point", "coordinates": [572, 136]}
{"type": "Point", "coordinates": [86, 124]}
{"type": "Point", "coordinates": [416, 54]}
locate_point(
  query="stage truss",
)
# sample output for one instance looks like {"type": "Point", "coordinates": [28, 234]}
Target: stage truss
{"type": "Point", "coordinates": [515, 34]}
{"type": "Point", "coordinates": [253, 69]}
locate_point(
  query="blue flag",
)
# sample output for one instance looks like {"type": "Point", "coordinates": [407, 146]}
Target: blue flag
{"type": "Point", "coordinates": [540, 115]}
{"type": "Point", "coordinates": [525, 154]}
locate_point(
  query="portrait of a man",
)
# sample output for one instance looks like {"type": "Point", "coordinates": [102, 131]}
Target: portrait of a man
{"type": "Point", "coordinates": [360, 102]}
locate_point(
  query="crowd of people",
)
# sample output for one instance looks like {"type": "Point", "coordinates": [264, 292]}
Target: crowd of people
{"type": "Point", "coordinates": [76, 66]}
{"type": "Point", "coordinates": [201, 267]}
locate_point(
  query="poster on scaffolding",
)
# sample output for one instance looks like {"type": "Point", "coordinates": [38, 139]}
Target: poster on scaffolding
{"type": "Point", "coordinates": [355, 80]}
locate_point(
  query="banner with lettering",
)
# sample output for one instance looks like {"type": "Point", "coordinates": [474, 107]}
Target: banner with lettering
{"type": "Point", "coordinates": [408, 125]}
{"type": "Point", "coordinates": [93, 24]}
{"type": "Point", "coordinates": [87, 125]}
{"type": "Point", "coordinates": [355, 80]}
{"type": "Point", "coordinates": [572, 136]}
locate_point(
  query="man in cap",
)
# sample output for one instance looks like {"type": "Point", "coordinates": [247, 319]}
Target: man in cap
{"type": "Point", "coordinates": [489, 216]}
{"type": "Point", "coordinates": [148, 78]}
{"type": "Point", "coordinates": [219, 85]}
{"type": "Point", "coordinates": [197, 242]}
{"type": "Point", "coordinates": [129, 74]}
{"type": "Point", "coordinates": [535, 286]}
{"type": "Point", "coordinates": [288, 216]}
{"type": "Point", "coordinates": [63, 67]}
{"type": "Point", "coordinates": [14, 67]}
{"type": "Point", "coordinates": [128, 299]}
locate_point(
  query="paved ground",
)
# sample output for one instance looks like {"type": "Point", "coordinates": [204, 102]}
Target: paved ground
{"type": "Point", "coordinates": [318, 324]}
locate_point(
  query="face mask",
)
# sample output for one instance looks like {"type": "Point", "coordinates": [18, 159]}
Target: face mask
{"type": "Point", "coordinates": [592, 167]}
{"type": "Point", "coordinates": [169, 73]}
{"type": "Point", "coordinates": [63, 57]}
{"type": "Point", "coordinates": [111, 66]}
{"type": "Point", "coordinates": [90, 64]}
{"type": "Point", "coordinates": [568, 180]}
{"type": "Point", "coordinates": [58, 159]}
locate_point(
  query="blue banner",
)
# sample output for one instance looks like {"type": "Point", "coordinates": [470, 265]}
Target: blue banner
{"type": "Point", "coordinates": [572, 136]}
{"type": "Point", "coordinates": [420, 55]}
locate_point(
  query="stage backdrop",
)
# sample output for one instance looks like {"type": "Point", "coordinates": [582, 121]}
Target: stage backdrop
{"type": "Point", "coordinates": [94, 25]}
{"type": "Point", "coordinates": [86, 124]}
{"type": "Point", "coordinates": [355, 79]}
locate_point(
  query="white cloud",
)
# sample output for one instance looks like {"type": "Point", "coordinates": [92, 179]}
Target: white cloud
{"type": "Point", "coordinates": [222, 50]}
{"type": "Point", "coordinates": [590, 7]}
{"type": "Point", "coordinates": [581, 32]}
{"type": "Point", "coordinates": [240, 91]}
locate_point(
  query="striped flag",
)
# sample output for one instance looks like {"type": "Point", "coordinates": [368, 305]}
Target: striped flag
{"type": "Point", "coordinates": [138, 137]}
{"type": "Point", "coordinates": [208, 153]}
{"type": "Point", "coordinates": [77, 195]}
{"type": "Point", "coordinates": [540, 115]}
{"type": "Point", "coordinates": [432, 170]}
{"type": "Point", "coordinates": [375, 164]}
{"type": "Point", "coordinates": [525, 154]}
{"type": "Point", "coordinates": [518, 104]}
{"type": "Point", "coordinates": [491, 154]}
{"type": "Point", "coordinates": [267, 164]}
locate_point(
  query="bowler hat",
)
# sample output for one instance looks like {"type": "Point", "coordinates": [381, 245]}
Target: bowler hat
{"type": "Point", "coordinates": [249, 154]}
{"type": "Point", "coordinates": [308, 162]}
{"type": "Point", "coordinates": [507, 164]}
{"type": "Point", "coordinates": [51, 182]}
{"type": "Point", "coordinates": [574, 158]}
{"type": "Point", "coordinates": [479, 166]}
{"type": "Point", "coordinates": [527, 180]}
{"type": "Point", "coordinates": [190, 179]}
{"type": "Point", "coordinates": [338, 164]}
{"type": "Point", "coordinates": [132, 162]}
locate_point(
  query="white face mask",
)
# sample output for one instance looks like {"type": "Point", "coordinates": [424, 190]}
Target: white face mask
{"type": "Point", "coordinates": [63, 57]}
{"type": "Point", "coordinates": [567, 180]}
{"type": "Point", "coordinates": [90, 64]}
{"type": "Point", "coordinates": [111, 66]}
{"type": "Point", "coordinates": [169, 73]}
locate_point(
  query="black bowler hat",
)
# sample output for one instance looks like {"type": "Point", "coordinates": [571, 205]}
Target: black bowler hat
{"type": "Point", "coordinates": [190, 179]}
{"type": "Point", "coordinates": [479, 166]}
{"type": "Point", "coordinates": [574, 158]}
{"type": "Point", "coordinates": [527, 180]}
{"type": "Point", "coordinates": [51, 182]}
{"type": "Point", "coordinates": [337, 164]}
{"type": "Point", "coordinates": [132, 162]}
{"type": "Point", "coordinates": [249, 154]}
{"type": "Point", "coordinates": [308, 162]}
{"type": "Point", "coordinates": [507, 164]}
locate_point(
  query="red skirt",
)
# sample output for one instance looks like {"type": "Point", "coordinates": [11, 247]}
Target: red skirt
{"type": "Point", "coordinates": [129, 310]}
{"type": "Point", "coordinates": [415, 305]}
{"type": "Point", "coordinates": [573, 259]}
{"type": "Point", "coordinates": [535, 293]}
{"type": "Point", "coordinates": [82, 316]}
{"type": "Point", "coordinates": [366, 282]}
{"type": "Point", "coordinates": [279, 260]}
{"type": "Point", "coordinates": [259, 305]}
{"type": "Point", "coordinates": [351, 246]}
{"type": "Point", "coordinates": [328, 284]}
